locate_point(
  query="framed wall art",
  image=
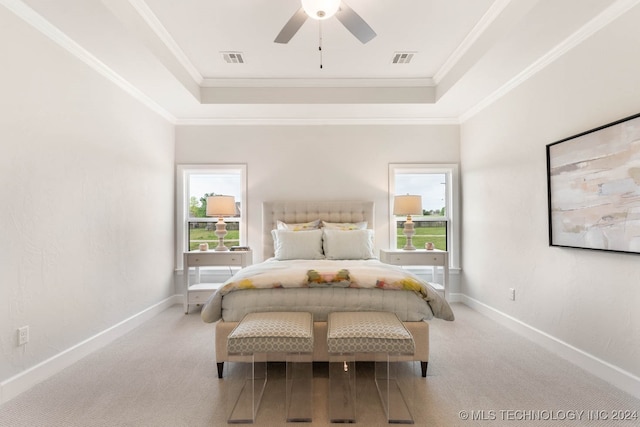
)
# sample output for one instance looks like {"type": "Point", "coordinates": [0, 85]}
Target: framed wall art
{"type": "Point", "coordinates": [593, 183]}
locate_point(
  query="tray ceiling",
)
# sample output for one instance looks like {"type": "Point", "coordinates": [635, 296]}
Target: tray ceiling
{"type": "Point", "coordinates": [182, 58]}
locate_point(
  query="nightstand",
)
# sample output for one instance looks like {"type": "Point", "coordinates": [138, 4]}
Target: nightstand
{"type": "Point", "coordinates": [198, 293]}
{"type": "Point", "coordinates": [436, 258]}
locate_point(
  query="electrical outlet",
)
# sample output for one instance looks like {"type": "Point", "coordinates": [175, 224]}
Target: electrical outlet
{"type": "Point", "coordinates": [23, 335]}
{"type": "Point", "coordinates": [512, 294]}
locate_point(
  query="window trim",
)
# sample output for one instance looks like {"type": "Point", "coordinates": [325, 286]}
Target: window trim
{"type": "Point", "coordinates": [182, 206]}
{"type": "Point", "coordinates": [451, 171]}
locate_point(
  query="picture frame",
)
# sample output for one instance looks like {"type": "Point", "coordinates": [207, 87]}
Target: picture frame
{"type": "Point", "coordinates": [593, 186]}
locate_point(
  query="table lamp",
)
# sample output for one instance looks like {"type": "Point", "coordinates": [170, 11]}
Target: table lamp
{"type": "Point", "coordinates": [221, 206]}
{"type": "Point", "coordinates": [408, 205]}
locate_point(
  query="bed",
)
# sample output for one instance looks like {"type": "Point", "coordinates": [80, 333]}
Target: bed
{"type": "Point", "coordinates": [319, 257]}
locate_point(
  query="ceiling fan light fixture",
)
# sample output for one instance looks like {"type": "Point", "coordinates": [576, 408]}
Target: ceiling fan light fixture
{"type": "Point", "coordinates": [320, 9]}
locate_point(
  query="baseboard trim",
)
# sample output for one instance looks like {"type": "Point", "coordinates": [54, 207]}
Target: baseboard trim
{"type": "Point", "coordinates": [612, 374]}
{"type": "Point", "coordinates": [23, 381]}
{"type": "Point", "coordinates": [456, 297]}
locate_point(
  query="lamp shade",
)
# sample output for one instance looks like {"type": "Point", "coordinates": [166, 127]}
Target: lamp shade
{"type": "Point", "coordinates": [407, 205]}
{"type": "Point", "coordinates": [221, 206]}
{"type": "Point", "coordinates": [320, 9]}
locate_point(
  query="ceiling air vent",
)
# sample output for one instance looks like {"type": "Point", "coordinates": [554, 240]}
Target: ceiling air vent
{"type": "Point", "coordinates": [233, 57]}
{"type": "Point", "coordinates": [402, 57]}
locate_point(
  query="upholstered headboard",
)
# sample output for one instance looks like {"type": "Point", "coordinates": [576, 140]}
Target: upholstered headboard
{"type": "Point", "coordinates": [305, 211]}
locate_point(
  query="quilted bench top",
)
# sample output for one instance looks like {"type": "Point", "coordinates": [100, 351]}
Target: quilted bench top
{"type": "Point", "coordinates": [268, 332]}
{"type": "Point", "coordinates": [368, 332]}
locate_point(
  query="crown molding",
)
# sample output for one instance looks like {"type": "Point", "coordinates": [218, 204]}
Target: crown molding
{"type": "Point", "coordinates": [306, 83]}
{"type": "Point", "coordinates": [317, 95]}
{"type": "Point", "coordinates": [316, 121]}
{"type": "Point", "coordinates": [476, 32]}
{"type": "Point", "coordinates": [161, 32]}
{"type": "Point", "coordinates": [34, 19]}
{"type": "Point", "coordinates": [611, 13]}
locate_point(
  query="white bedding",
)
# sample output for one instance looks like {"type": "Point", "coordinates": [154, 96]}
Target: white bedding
{"type": "Point", "coordinates": [320, 302]}
{"type": "Point", "coordinates": [321, 286]}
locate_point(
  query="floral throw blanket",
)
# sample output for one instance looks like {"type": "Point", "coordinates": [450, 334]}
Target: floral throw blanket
{"type": "Point", "coordinates": [370, 273]}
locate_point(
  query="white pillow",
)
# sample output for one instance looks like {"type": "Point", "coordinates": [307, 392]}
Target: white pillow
{"type": "Point", "coordinates": [289, 244]}
{"type": "Point", "coordinates": [348, 244]}
{"type": "Point", "coordinates": [345, 225]}
{"type": "Point", "coordinates": [303, 226]}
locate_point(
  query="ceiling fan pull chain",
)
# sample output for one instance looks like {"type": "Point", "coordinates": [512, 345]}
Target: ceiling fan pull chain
{"type": "Point", "coordinates": [320, 41]}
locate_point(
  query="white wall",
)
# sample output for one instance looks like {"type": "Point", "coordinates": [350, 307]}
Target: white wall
{"type": "Point", "coordinates": [586, 299]}
{"type": "Point", "coordinates": [317, 162]}
{"type": "Point", "coordinates": [86, 200]}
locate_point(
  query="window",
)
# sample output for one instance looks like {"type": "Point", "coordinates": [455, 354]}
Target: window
{"type": "Point", "coordinates": [194, 184]}
{"type": "Point", "coordinates": [439, 223]}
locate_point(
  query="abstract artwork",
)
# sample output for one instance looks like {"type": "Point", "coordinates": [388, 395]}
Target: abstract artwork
{"type": "Point", "coordinates": [593, 182]}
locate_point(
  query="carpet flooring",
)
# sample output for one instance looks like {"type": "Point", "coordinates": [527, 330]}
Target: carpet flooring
{"type": "Point", "coordinates": [163, 373]}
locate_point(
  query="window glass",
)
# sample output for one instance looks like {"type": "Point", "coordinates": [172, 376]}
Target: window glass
{"type": "Point", "coordinates": [437, 184]}
{"type": "Point", "coordinates": [194, 184]}
{"type": "Point", "coordinates": [431, 225]}
{"type": "Point", "coordinates": [201, 227]}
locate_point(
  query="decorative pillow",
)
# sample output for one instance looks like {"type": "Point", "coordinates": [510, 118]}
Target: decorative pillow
{"type": "Point", "coordinates": [345, 225]}
{"type": "Point", "coordinates": [303, 226]}
{"type": "Point", "coordinates": [294, 245]}
{"type": "Point", "coordinates": [347, 244]}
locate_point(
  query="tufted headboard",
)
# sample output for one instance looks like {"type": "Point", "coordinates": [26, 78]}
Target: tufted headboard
{"type": "Point", "coordinates": [305, 211]}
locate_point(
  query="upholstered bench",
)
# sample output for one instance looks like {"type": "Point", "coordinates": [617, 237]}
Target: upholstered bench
{"type": "Point", "coordinates": [251, 342]}
{"type": "Point", "coordinates": [381, 333]}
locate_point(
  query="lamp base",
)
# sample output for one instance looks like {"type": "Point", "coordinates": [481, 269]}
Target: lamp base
{"type": "Point", "coordinates": [221, 248]}
{"type": "Point", "coordinates": [409, 232]}
{"type": "Point", "coordinates": [221, 231]}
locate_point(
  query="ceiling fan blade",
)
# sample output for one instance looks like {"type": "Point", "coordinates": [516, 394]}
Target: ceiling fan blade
{"type": "Point", "coordinates": [291, 27]}
{"type": "Point", "coordinates": [354, 23]}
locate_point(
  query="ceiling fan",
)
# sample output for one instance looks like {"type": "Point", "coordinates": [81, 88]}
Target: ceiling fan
{"type": "Point", "coordinates": [325, 9]}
